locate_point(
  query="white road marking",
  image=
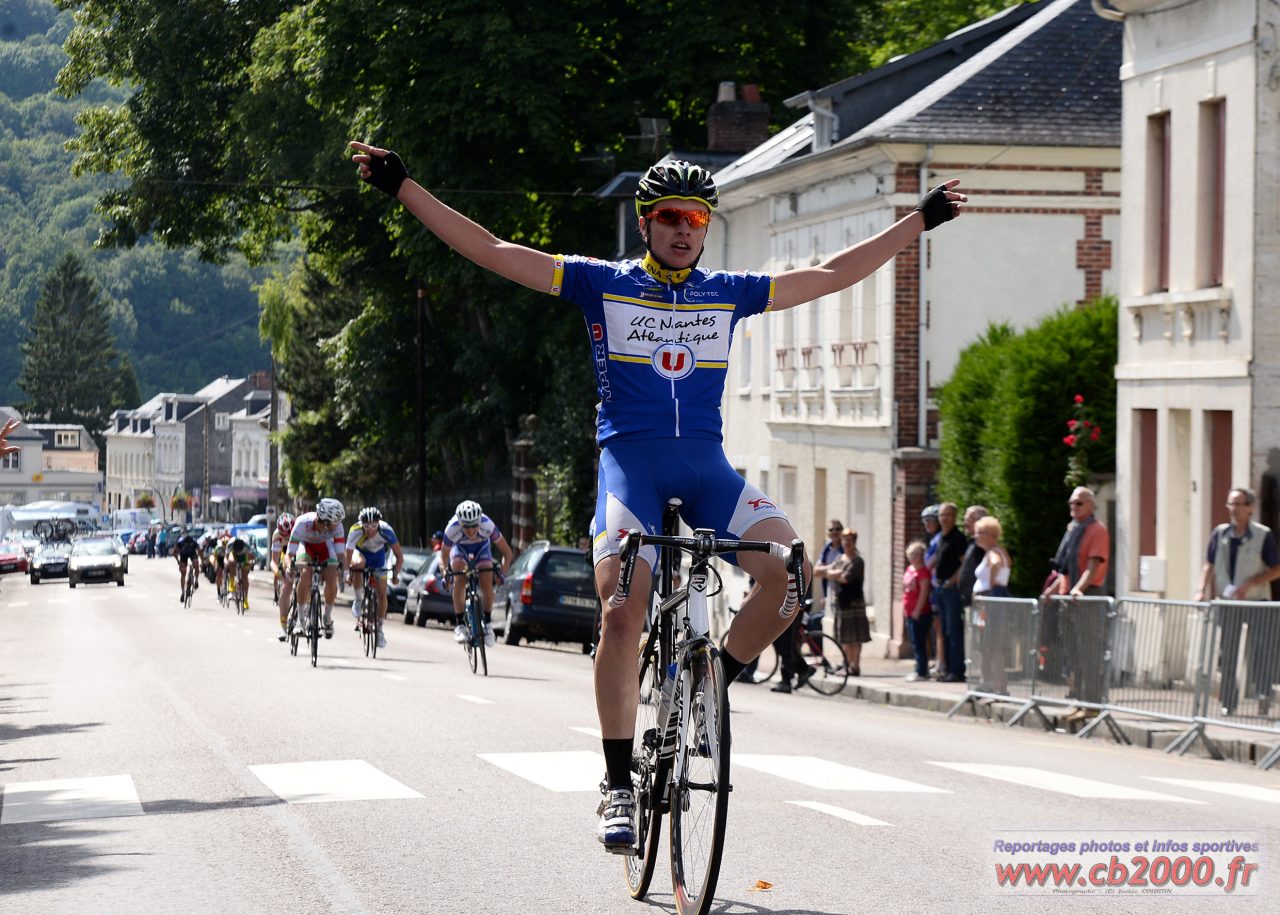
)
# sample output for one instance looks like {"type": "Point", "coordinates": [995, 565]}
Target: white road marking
{"type": "Point", "coordinates": [335, 780]}
{"type": "Point", "coordinates": [1235, 789]}
{"type": "Point", "coordinates": [19, 603]}
{"type": "Point", "coordinates": [478, 700]}
{"type": "Point", "coordinates": [396, 677]}
{"type": "Point", "coordinates": [1061, 783]}
{"type": "Point", "coordinates": [829, 776]}
{"type": "Point", "coordinates": [860, 818]}
{"type": "Point", "coordinates": [569, 770]}
{"type": "Point", "coordinates": [70, 799]}
{"type": "Point", "coordinates": [248, 632]}
{"type": "Point", "coordinates": [590, 732]}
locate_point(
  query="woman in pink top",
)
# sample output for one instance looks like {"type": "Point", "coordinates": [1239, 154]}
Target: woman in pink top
{"type": "Point", "coordinates": [916, 612]}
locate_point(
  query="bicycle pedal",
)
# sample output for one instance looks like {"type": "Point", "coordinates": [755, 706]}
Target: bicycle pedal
{"type": "Point", "coordinates": [629, 851]}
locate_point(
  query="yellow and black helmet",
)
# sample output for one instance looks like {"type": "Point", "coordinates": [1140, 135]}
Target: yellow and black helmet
{"type": "Point", "coordinates": [676, 180]}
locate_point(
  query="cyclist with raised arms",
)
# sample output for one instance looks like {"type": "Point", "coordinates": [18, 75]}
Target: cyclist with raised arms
{"type": "Point", "coordinates": [660, 330]}
{"type": "Point", "coordinates": [319, 534]}
{"type": "Point", "coordinates": [280, 567]}
{"type": "Point", "coordinates": [472, 533]}
{"type": "Point", "coordinates": [366, 554]}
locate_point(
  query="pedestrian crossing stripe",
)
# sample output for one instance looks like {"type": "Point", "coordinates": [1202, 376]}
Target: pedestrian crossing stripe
{"type": "Point", "coordinates": [829, 776]}
{"type": "Point", "coordinates": [840, 813]}
{"type": "Point", "coordinates": [478, 700]}
{"type": "Point", "coordinates": [69, 799]}
{"type": "Point", "coordinates": [1235, 789]}
{"type": "Point", "coordinates": [330, 780]}
{"type": "Point", "coordinates": [570, 770]}
{"type": "Point", "coordinates": [1061, 783]}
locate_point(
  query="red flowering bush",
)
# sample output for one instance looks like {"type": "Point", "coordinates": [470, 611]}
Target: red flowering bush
{"type": "Point", "coordinates": [1082, 432]}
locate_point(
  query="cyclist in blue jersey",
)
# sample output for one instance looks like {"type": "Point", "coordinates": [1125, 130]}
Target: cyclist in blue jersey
{"type": "Point", "coordinates": [660, 330]}
{"type": "Point", "coordinates": [366, 554]}
{"type": "Point", "coordinates": [472, 534]}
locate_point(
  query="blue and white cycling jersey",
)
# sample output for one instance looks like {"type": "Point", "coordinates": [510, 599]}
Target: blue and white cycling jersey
{"type": "Point", "coordinates": [660, 350]}
{"type": "Point", "coordinates": [475, 544]}
{"type": "Point", "coordinates": [373, 547]}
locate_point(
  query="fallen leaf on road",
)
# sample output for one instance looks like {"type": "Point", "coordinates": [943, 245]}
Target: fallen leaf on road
{"type": "Point", "coordinates": [760, 886]}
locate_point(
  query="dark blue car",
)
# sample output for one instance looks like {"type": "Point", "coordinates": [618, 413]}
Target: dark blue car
{"type": "Point", "coordinates": [549, 595]}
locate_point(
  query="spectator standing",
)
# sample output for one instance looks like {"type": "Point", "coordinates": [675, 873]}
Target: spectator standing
{"type": "Point", "coordinates": [1081, 567]}
{"type": "Point", "coordinates": [946, 573]}
{"type": "Point", "coordinates": [933, 540]}
{"type": "Point", "coordinates": [151, 543]}
{"type": "Point", "coordinates": [852, 629]}
{"type": "Point", "coordinates": [916, 608]}
{"type": "Point", "coordinates": [1241, 563]}
{"type": "Point", "coordinates": [972, 554]}
{"type": "Point", "coordinates": [832, 550]}
{"type": "Point", "coordinates": [991, 579]}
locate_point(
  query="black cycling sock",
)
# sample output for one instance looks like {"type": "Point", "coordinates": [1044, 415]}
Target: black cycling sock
{"type": "Point", "coordinates": [732, 666]}
{"type": "Point", "coordinates": [617, 759]}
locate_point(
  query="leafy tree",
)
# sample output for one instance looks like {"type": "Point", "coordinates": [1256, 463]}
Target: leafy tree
{"type": "Point", "coordinates": [1004, 415]}
{"type": "Point", "coordinates": [68, 356]}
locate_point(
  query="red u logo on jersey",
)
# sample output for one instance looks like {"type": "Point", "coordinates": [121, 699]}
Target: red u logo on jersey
{"type": "Point", "coordinates": [673, 360]}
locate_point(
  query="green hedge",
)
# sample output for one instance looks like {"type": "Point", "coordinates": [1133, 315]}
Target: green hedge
{"type": "Point", "coordinates": [1004, 416]}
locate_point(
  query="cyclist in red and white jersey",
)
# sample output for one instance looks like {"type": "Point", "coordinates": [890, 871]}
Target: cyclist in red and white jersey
{"type": "Point", "coordinates": [320, 535]}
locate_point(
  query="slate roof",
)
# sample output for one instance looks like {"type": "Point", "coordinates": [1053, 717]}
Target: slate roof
{"type": "Point", "coordinates": [1051, 81]}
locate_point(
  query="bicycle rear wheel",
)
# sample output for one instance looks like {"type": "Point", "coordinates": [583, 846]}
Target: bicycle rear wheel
{"type": "Point", "coordinates": [313, 628]}
{"type": "Point", "coordinates": [649, 772]}
{"type": "Point", "coordinates": [826, 657]}
{"type": "Point", "coordinates": [700, 783]}
{"type": "Point", "coordinates": [766, 665]}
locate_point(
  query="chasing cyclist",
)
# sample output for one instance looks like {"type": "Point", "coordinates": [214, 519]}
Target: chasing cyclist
{"type": "Point", "coordinates": [366, 553]}
{"type": "Point", "coordinates": [319, 533]}
{"type": "Point", "coordinates": [187, 551]}
{"type": "Point", "coordinates": [239, 560]}
{"type": "Point", "coordinates": [660, 332]}
{"type": "Point", "coordinates": [472, 533]}
{"type": "Point", "coordinates": [280, 566]}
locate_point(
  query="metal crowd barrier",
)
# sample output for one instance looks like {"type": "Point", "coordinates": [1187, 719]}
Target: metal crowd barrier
{"type": "Point", "coordinates": [1186, 663]}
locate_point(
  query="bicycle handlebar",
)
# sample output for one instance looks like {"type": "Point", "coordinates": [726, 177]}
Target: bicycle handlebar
{"type": "Point", "coordinates": [703, 545]}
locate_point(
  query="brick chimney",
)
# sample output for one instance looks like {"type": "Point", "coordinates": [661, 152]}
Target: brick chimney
{"type": "Point", "coordinates": [737, 125]}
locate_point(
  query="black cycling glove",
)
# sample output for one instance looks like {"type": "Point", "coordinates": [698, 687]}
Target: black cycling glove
{"type": "Point", "coordinates": [387, 173]}
{"type": "Point", "coordinates": [934, 206]}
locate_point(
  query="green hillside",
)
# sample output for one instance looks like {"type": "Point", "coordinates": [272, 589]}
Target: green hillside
{"type": "Point", "coordinates": [180, 321]}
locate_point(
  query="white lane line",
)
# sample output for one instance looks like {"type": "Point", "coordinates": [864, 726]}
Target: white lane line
{"type": "Point", "coordinates": [860, 818]}
{"type": "Point", "coordinates": [19, 603]}
{"type": "Point", "coordinates": [70, 799]}
{"type": "Point", "coordinates": [1235, 789]}
{"type": "Point", "coordinates": [590, 732]}
{"type": "Point", "coordinates": [478, 700]}
{"type": "Point", "coordinates": [1060, 783]}
{"type": "Point", "coordinates": [830, 776]}
{"type": "Point", "coordinates": [335, 780]}
{"type": "Point", "coordinates": [562, 771]}
{"type": "Point", "coordinates": [396, 677]}
{"type": "Point", "coordinates": [339, 662]}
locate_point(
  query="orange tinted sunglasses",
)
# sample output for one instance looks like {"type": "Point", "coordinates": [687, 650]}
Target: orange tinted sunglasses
{"type": "Point", "coordinates": [670, 216]}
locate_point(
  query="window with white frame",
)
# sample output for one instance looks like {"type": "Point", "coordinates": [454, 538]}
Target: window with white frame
{"type": "Point", "coordinates": [222, 421]}
{"type": "Point", "coordinates": [11, 461]}
{"type": "Point", "coordinates": [66, 439]}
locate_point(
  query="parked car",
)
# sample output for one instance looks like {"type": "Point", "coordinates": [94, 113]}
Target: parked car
{"type": "Point", "coordinates": [260, 540]}
{"type": "Point", "coordinates": [50, 561]}
{"type": "Point", "coordinates": [138, 542]}
{"type": "Point", "coordinates": [427, 598]}
{"type": "Point", "coordinates": [96, 559]}
{"type": "Point", "coordinates": [13, 558]}
{"type": "Point", "coordinates": [414, 562]}
{"type": "Point", "coordinates": [549, 595]}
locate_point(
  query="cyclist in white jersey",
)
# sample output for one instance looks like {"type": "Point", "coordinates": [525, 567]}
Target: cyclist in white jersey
{"type": "Point", "coordinates": [320, 535]}
{"type": "Point", "coordinates": [660, 384]}
{"type": "Point", "coordinates": [472, 533]}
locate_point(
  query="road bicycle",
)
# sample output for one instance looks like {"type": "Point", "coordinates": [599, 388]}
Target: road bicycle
{"type": "Point", "coordinates": [222, 585]}
{"type": "Point", "coordinates": [189, 583]}
{"type": "Point", "coordinates": [239, 593]}
{"type": "Point", "coordinates": [817, 650]}
{"type": "Point", "coordinates": [311, 630]}
{"type": "Point", "coordinates": [367, 625]}
{"type": "Point", "coordinates": [473, 617]}
{"type": "Point", "coordinates": [680, 764]}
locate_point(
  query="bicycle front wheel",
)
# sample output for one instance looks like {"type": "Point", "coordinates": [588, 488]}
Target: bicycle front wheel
{"type": "Point", "coordinates": [649, 771]}
{"type": "Point", "coordinates": [369, 623]}
{"type": "Point", "coordinates": [313, 628]}
{"type": "Point", "coordinates": [700, 782]}
{"type": "Point", "coordinates": [830, 668]}
{"type": "Point", "coordinates": [473, 655]}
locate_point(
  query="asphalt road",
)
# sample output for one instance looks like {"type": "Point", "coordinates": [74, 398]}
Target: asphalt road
{"type": "Point", "coordinates": [155, 759]}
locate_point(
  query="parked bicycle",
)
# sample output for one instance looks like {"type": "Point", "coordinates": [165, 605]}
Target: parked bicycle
{"type": "Point", "coordinates": [818, 655]}
{"type": "Point", "coordinates": [681, 757]}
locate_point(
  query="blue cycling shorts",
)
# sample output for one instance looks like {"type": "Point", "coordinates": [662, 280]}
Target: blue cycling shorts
{"type": "Point", "coordinates": [479, 552]}
{"type": "Point", "coordinates": [638, 476]}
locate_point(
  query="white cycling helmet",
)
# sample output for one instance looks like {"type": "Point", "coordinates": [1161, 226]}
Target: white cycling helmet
{"type": "Point", "coordinates": [330, 510]}
{"type": "Point", "coordinates": [469, 512]}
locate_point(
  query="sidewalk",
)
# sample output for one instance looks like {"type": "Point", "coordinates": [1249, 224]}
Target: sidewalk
{"type": "Point", "coordinates": [883, 680]}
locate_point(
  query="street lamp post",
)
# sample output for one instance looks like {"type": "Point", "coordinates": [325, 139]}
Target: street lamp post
{"type": "Point", "coordinates": [419, 433]}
